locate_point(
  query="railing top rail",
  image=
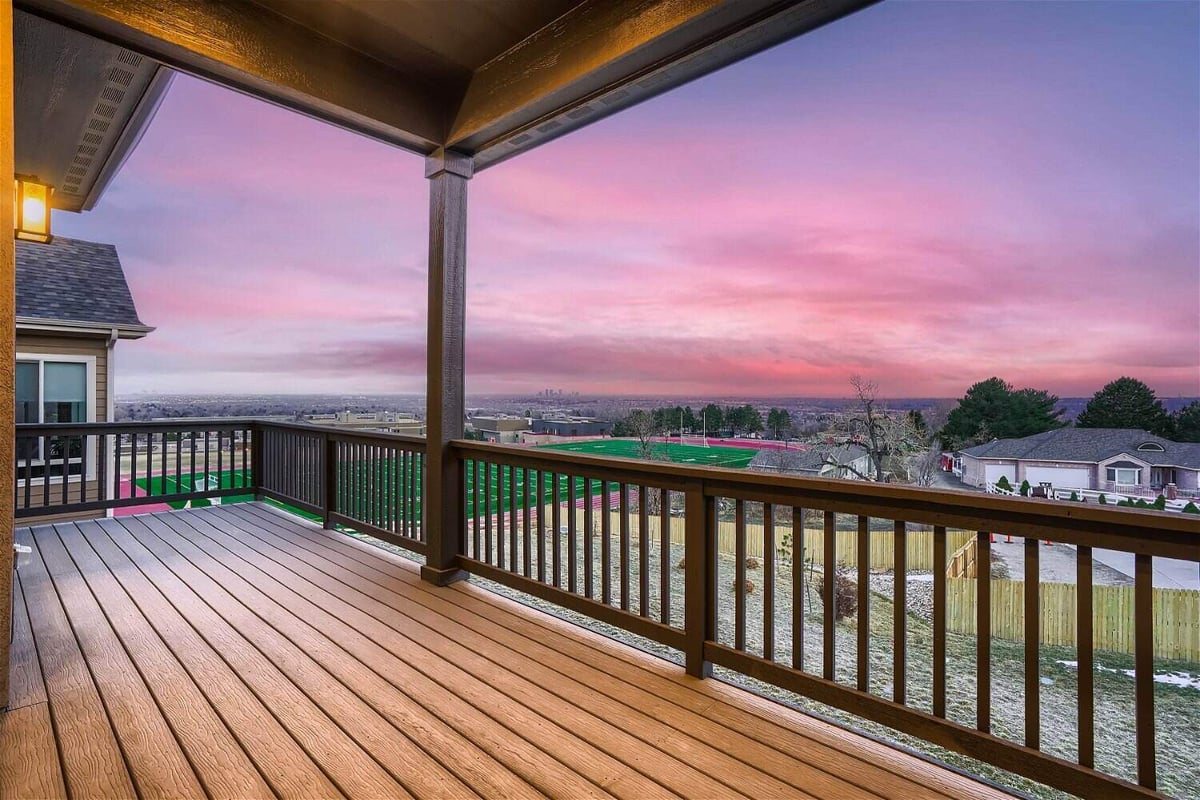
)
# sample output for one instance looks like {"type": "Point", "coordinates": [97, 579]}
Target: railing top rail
{"type": "Point", "coordinates": [80, 428]}
{"type": "Point", "coordinates": [1134, 530]}
{"type": "Point", "coordinates": [338, 434]}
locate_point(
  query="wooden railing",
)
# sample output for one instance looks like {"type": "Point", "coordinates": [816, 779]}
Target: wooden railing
{"type": "Point", "coordinates": [74, 468]}
{"type": "Point", "coordinates": [626, 574]}
{"type": "Point", "coordinates": [370, 482]}
{"type": "Point", "coordinates": [601, 536]}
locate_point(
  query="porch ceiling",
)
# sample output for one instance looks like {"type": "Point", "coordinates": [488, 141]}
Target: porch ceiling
{"type": "Point", "coordinates": [489, 78]}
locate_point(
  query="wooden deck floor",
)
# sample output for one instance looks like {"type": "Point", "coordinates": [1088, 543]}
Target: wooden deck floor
{"type": "Point", "coordinates": [240, 652]}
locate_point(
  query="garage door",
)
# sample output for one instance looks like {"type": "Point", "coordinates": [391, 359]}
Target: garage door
{"type": "Point", "coordinates": [992, 472]}
{"type": "Point", "coordinates": [1060, 477]}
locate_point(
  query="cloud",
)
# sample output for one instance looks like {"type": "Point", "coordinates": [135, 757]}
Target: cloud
{"type": "Point", "coordinates": [955, 200]}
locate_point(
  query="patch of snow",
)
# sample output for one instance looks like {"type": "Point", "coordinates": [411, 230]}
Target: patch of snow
{"type": "Point", "coordinates": [1183, 679]}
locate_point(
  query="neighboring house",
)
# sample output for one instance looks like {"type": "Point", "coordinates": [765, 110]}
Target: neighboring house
{"type": "Point", "coordinates": [73, 305]}
{"type": "Point", "coordinates": [848, 461]}
{"type": "Point", "coordinates": [1101, 459]}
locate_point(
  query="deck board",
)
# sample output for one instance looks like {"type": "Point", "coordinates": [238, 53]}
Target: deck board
{"type": "Point", "coordinates": [740, 764]}
{"type": "Point", "coordinates": [309, 664]}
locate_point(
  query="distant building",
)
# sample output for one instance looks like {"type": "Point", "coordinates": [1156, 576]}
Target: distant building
{"type": "Point", "coordinates": [502, 428]}
{"type": "Point", "coordinates": [387, 421]}
{"type": "Point", "coordinates": [572, 426]}
{"type": "Point", "coordinates": [1102, 459]}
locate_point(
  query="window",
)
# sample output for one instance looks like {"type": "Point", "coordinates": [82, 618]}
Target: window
{"type": "Point", "coordinates": [53, 389]}
{"type": "Point", "coordinates": [1126, 476]}
{"type": "Point", "coordinates": [1151, 447]}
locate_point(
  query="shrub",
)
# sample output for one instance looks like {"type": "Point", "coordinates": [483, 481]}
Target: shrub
{"type": "Point", "coordinates": [1142, 503]}
{"type": "Point", "coordinates": [1159, 503]}
{"type": "Point", "coordinates": [1004, 484]}
{"type": "Point", "coordinates": [1074, 496]}
{"type": "Point", "coordinates": [752, 563]}
{"type": "Point", "coordinates": [682, 564]}
{"type": "Point", "coordinates": [845, 592]}
{"type": "Point", "coordinates": [1025, 487]}
{"type": "Point", "coordinates": [749, 587]}
{"type": "Point", "coordinates": [1191, 508]}
{"type": "Point", "coordinates": [1103, 500]}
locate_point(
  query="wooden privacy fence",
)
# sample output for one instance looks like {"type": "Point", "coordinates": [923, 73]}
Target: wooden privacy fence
{"type": "Point", "coordinates": [1176, 615]}
{"type": "Point", "coordinates": [918, 544]}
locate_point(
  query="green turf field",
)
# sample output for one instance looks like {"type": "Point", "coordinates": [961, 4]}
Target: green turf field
{"type": "Point", "coordinates": [696, 455]}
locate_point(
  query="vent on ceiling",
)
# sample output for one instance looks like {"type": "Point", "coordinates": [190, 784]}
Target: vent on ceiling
{"type": "Point", "coordinates": [112, 95]}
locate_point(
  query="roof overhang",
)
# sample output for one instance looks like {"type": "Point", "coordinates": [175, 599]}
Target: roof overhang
{"type": "Point", "coordinates": [69, 327]}
{"type": "Point", "coordinates": [487, 78]}
{"type": "Point", "coordinates": [80, 107]}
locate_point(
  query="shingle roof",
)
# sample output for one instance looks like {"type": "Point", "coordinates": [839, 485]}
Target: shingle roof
{"type": "Point", "coordinates": [810, 460]}
{"type": "Point", "coordinates": [1090, 445]}
{"type": "Point", "coordinates": [73, 280]}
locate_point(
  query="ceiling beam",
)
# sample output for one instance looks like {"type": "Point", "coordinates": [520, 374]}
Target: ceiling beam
{"type": "Point", "coordinates": [251, 49]}
{"type": "Point", "coordinates": [606, 55]}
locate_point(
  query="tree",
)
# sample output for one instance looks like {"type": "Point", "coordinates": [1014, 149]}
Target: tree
{"type": "Point", "coordinates": [712, 418]}
{"type": "Point", "coordinates": [779, 422]}
{"type": "Point", "coordinates": [890, 439]}
{"type": "Point", "coordinates": [1126, 403]}
{"type": "Point", "coordinates": [1187, 423]}
{"type": "Point", "coordinates": [743, 419]}
{"type": "Point", "coordinates": [640, 424]}
{"type": "Point", "coordinates": [993, 409]}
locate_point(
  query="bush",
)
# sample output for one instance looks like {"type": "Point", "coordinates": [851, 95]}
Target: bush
{"type": "Point", "coordinates": [1103, 500]}
{"type": "Point", "coordinates": [845, 592]}
{"type": "Point", "coordinates": [749, 587]}
{"type": "Point", "coordinates": [1191, 508]}
{"type": "Point", "coordinates": [1025, 487]}
{"type": "Point", "coordinates": [1004, 484]}
{"type": "Point", "coordinates": [1074, 496]}
{"type": "Point", "coordinates": [752, 563]}
{"type": "Point", "coordinates": [1142, 503]}
{"type": "Point", "coordinates": [1159, 503]}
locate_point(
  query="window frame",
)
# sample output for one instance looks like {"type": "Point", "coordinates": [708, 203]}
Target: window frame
{"type": "Point", "coordinates": [89, 362]}
{"type": "Point", "coordinates": [1115, 473]}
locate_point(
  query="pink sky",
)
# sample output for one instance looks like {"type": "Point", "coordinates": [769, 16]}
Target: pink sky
{"type": "Point", "coordinates": [927, 194]}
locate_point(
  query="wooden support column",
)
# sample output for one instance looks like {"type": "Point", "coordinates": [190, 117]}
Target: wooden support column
{"type": "Point", "coordinates": [441, 486]}
{"type": "Point", "coordinates": [7, 345]}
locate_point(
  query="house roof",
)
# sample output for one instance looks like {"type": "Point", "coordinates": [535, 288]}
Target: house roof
{"type": "Point", "coordinates": [1090, 445]}
{"type": "Point", "coordinates": [810, 460]}
{"type": "Point", "coordinates": [74, 283]}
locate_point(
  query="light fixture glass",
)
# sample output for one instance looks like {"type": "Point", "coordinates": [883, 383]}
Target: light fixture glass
{"type": "Point", "coordinates": [31, 209]}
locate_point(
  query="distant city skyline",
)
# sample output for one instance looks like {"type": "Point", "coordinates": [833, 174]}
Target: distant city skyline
{"type": "Point", "coordinates": [927, 194]}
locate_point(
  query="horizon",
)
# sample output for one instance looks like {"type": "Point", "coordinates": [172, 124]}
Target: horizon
{"type": "Point", "coordinates": [909, 193]}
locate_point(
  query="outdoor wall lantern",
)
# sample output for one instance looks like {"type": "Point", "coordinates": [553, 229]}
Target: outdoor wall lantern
{"type": "Point", "coordinates": [31, 209]}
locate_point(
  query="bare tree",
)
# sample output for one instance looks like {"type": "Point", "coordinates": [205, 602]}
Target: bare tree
{"type": "Point", "coordinates": [641, 425]}
{"type": "Point", "coordinates": [888, 438]}
{"type": "Point", "coordinates": [923, 465]}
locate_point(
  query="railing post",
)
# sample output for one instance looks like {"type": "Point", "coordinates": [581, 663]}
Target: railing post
{"type": "Point", "coordinates": [328, 478]}
{"type": "Point", "coordinates": [699, 595]}
{"type": "Point", "coordinates": [256, 460]}
{"type": "Point", "coordinates": [441, 487]}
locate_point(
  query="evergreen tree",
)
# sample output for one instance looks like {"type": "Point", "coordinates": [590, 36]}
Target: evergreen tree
{"type": "Point", "coordinates": [1187, 423]}
{"type": "Point", "coordinates": [993, 409]}
{"type": "Point", "coordinates": [1126, 403]}
{"type": "Point", "coordinates": [712, 418]}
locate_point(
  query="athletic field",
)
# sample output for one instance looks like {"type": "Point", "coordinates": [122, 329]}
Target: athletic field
{"type": "Point", "coordinates": [696, 455]}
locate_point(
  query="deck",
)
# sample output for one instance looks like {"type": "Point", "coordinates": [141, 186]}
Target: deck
{"type": "Point", "coordinates": [238, 651]}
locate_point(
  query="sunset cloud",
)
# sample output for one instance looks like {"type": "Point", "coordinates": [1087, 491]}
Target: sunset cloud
{"type": "Point", "coordinates": [927, 194]}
